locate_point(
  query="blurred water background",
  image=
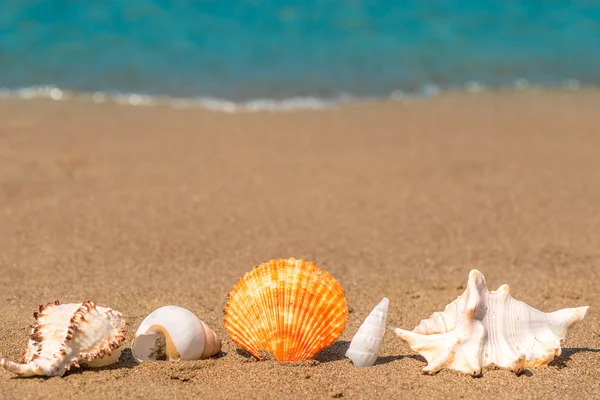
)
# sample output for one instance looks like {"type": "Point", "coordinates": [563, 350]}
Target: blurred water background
{"type": "Point", "coordinates": [239, 50]}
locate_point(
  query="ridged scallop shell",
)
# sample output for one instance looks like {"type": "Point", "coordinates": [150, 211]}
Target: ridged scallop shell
{"type": "Point", "coordinates": [175, 334]}
{"type": "Point", "coordinates": [290, 308]}
{"type": "Point", "coordinates": [480, 328]}
{"type": "Point", "coordinates": [70, 335]}
{"type": "Point", "coordinates": [368, 339]}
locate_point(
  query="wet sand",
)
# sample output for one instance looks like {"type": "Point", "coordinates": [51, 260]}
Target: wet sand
{"type": "Point", "coordinates": [139, 207]}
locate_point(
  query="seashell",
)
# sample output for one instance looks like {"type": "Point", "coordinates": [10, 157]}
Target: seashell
{"type": "Point", "coordinates": [480, 328]}
{"type": "Point", "coordinates": [368, 339]}
{"type": "Point", "coordinates": [290, 308]}
{"type": "Point", "coordinates": [70, 335]}
{"type": "Point", "coordinates": [173, 333]}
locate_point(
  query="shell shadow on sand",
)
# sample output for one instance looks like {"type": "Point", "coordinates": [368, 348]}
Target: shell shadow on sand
{"type": "Point", "coordinates": [560, 362]}
{"type": "Point", "coordinates": [336, 352]}
{"type": "Point", "coordinates": [388, 359]}
{"type": "Point", "coordinates": [126, 361]}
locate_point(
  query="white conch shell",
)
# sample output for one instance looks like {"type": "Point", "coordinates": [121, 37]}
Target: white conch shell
{"type": "Point", "coordinates": [173, 333]}
{"type": "Point", "coordinates": [70, 335]}
{"type": "Point", "coordinates": [368, 339]}
{"type": "Point", "coordinates": [480, 328]}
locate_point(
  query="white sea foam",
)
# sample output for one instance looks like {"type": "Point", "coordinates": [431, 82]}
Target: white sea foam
{"type": "Point", "coordinates": [474, 87]}
{"type": "Point", "coordinates": [210, 103]}
{"type": "Point", "coordinates": [573, 84]}
{"type": "Point", "coordinates": [522, 84]}
{"type": "Point", "coordinates": [254, 105]}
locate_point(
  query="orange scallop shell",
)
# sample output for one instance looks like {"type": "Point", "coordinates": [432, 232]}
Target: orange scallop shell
{"type": "Point", "coordinates": [290, 308]}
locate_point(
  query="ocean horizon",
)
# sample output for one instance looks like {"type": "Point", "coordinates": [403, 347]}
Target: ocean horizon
{"type": "Point", "coordinates": [292, 53]}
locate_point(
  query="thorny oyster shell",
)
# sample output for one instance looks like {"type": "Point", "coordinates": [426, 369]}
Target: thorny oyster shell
{"type": "Point", "coordinates": [290, 308]}
{"type": "Point", "coordinates": [480, 328]}
{"type": "Point", "coordinates": [70, 335]}
{"type": "Point", "coordinates": [173, 333]}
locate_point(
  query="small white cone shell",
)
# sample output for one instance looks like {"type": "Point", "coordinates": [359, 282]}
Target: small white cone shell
{"type": "Point", "coordinates": [186, 337]}
{"type": "Point", "coordinates": [367, 341]}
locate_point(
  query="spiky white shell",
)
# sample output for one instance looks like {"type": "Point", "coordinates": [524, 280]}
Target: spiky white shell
{"type": "Point", "coordinates": [173, 333]}
{"type": "Point", "coordinates": [367, 341]}
{"type": "Point", "coordinates": [481, 328]}
{"type": "Point", "coordinates": [70, 335]}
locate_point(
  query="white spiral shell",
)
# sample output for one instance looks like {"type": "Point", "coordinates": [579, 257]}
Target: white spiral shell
{"type": "Point", "coordinates": [173, 333]}
{"type": "Point", "coordinates": [367, 341]}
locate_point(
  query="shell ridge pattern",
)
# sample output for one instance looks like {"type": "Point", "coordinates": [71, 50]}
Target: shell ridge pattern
{"type": "Point", "coordinates": [288, 329]}
{"type": "Point", "coordinates": [266, 307]}
{"type": "Point", "coordinates": [282, 340]}
{"type": "Point", "coordinates": [252, 312]}
{"type": "Point", "coordinates": [313, 293]}
{"type": "Point", "coordinates": [305, 306]}
{"type": "Point", "coordinates": [320, 326]}
{"type": "Point", "coordinates": [290, 301]}
{"type": "Point", "coordinates": [311, 323]}
{"type": "Point", "coordinates": [294, 277]}
{"type": "Point", "coordinates": [239, 314]}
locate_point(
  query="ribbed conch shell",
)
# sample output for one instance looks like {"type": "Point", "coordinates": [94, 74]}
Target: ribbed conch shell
{"type": "Point", "coordinates": [289, 308]}
{"type": "Point", "coordinates": [70, 335]}
{"type": "Point", "coordinates": [368, 339]}
{"type": "Point", "coordinates": [173, 333]}
{"type": "Point", "coordinates": [480, 328]}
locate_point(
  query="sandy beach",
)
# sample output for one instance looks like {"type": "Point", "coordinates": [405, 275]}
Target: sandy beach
{"type": "Point", "coordinates": [139, 207]}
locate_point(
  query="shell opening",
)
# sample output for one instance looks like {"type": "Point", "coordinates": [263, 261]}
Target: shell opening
{"type": "Point", "coordinates": [154, 345]}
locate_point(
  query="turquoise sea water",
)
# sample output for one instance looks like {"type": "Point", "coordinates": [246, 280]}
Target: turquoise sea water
{"type": "Point", "coordinates": [240, 49]}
